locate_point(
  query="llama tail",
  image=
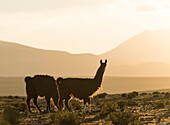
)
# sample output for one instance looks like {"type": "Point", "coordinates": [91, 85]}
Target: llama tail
{"type": "Point", "coordinates": [59, 80]}
{"type": "Point", "coordinates": [27, 79]}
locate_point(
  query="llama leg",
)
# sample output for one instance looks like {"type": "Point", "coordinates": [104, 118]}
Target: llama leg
{"type": "Point", "coordinates": [60, 103]}
{"type": "Point", "coordinates": [84, 108]}
{"type": "Point", "coordinates": [66, 103]}
{"type": "Point", "coordinates": [35, 103]}
{"type": "Point", "coordinates": [89, 104]}
{"type": "Point", "coordinates": [89, 107]}
{"type": "Point", "coordinates": [47, 98]}
{"type": "Point", "coordinates": [55, 100]}
{"type": "Point", "coordinates": [28, 104]}
{"type": "Point", "coordinates": [87, 101]}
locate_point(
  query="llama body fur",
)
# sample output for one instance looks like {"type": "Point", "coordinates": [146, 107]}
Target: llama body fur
{"type": "Point", "coordinates": [41, 85]}
{"type": "Point", "coordinates": [80, 88]}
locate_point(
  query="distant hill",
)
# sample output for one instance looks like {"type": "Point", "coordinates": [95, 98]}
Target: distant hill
{"type": "Point", "coordinates": [20, 60]}
{"type": "Point", "coordinates": [149, 46]}
{"type": "Point", "coordinates": [146, 54]}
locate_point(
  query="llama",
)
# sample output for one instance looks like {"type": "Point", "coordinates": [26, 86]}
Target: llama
{"type": "Point", "coordinates": [41, 85]}
{"type": "Point", "coordinates": [80, 88]}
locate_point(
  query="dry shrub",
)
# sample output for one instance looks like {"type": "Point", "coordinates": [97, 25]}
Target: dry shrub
{"type": "Point", "coordinates": [76, 105]}
{"type": "Point", "coordinates": [2, 121]}
{"type": "Point", "coordinates": [66, 118]}
{"type": "Point", "coordinates": [107, 108]}
{"type": "Point", "coordinates": [11, 114]}
{"type": "Point", "coordinates": [123, 118]}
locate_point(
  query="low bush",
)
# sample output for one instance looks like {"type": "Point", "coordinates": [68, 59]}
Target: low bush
{"type": "Point", "coordinates": [10, 97]}
{"type": "Point", "coordinates": [20, 106]}
{"type": "Point", "coordinates": [132, 95]}
{"type": "Point", "coordinates": [76, 105]}
{"type": "Point", "coordinates": [155, 93]}
{"type": "Point", "coordinates": [159, 104]}
{"type": "Point", "coordinates": [122, 104]}
{"type": "Point", "coordinates": [132, 103]}
{"type": "Point", "coordinates": [66, 118]}
{"type": "Point", "coordinates": [16, 97]}
{"type": "Point", "coordinates": [124, 95]}
{"type": "Point", "coordinates": [2, 121]}
{"type": "Point", "coordinates": [143, 94]}
{"type": "Point", "coordinates": [102, 95]}
{"type": "Point", "coordinates": [135, 93]}
{"type": "Point", "coordinates": [11, 114]}
{"type": "Point", "coordinates": [167, 95]}
{"type": "Point", "coordinates": [123, 118]}
{"type": "Point", "coordinates": [107, 108]}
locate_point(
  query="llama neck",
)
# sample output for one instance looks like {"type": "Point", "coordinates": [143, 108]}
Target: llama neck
{"type": "Point", "coordinates": [99, 75]}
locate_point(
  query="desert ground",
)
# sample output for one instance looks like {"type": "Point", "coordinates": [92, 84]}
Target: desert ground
{"type": "Point", "coordinates": [120, 109]}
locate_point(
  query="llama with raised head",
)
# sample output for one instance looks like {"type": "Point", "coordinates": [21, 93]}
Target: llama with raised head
{"type": "Point", "coordinates": [80, 88]}
{"type": "Point", "coordinates": [41, 85]}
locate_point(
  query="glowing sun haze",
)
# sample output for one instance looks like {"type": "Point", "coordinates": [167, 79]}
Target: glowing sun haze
{"type": "Point", "coordinates": [80, 26]}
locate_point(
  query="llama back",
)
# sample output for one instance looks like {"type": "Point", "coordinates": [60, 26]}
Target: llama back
{"type": "Point", "coordinates": [79, 87]}
{"type": "Point", "coordinates": [45, 85]}
{"type": "Point", "coordinates": [85, 87]}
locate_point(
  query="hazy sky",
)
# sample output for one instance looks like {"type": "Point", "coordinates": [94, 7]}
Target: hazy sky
{"type": "Point", "coordinates": [80, 26]}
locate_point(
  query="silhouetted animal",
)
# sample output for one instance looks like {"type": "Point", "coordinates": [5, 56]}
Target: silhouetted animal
{"type": "Point", "coordinates": [80, 88]}
{"type": "Point", "coordinates": [41, 85]}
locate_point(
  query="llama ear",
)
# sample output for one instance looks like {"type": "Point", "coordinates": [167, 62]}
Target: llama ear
{"type": "Point", "coordinates": [100, 61]}
{"type": "Point", "coordinates": [105, 60]}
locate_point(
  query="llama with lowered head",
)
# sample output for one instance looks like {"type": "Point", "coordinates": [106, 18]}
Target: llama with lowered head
{"type": "Point", "coordinates": [80, 88]}
{"type": "Point", "coordinates": [41, 85]}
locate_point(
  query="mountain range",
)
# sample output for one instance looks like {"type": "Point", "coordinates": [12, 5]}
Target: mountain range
{"type": "Point", "coordinates": [145, 54]}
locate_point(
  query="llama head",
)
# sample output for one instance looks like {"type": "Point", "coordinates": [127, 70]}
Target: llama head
{"type": "Point", "coordinates": [103, 64]}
